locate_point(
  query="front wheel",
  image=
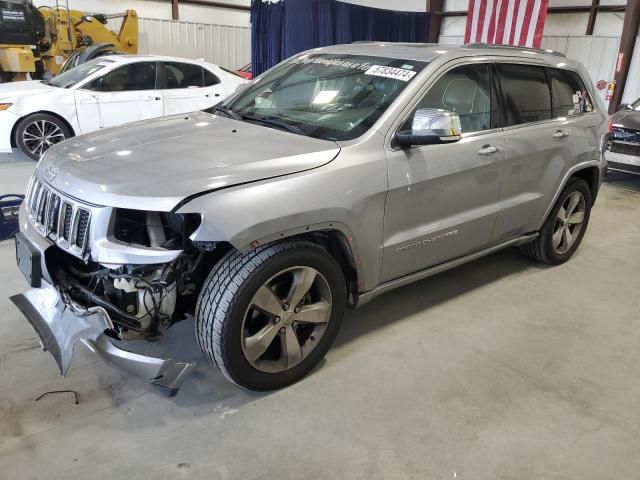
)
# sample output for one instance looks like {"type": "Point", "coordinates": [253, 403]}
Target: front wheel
{"type": "Point", "coordinates": [37, 133]}
{"type": "Point", "coordinates": [266, 318]}
{"type": "Point", "coordinates": [565, 227]}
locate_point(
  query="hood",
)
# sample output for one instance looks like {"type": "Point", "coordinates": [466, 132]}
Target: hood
{"type": "Point", "coordinates": [626, 119]}
{"type": "Point", "coordinates": [153, 165]}
{"type": "Point", "coordinates": [13, 90]}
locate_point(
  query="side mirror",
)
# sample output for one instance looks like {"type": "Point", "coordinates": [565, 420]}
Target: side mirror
{"type": "Point", "coordinates": [431, 126]}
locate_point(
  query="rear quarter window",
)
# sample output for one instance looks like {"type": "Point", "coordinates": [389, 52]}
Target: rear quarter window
{"type": "Point", "coordinates": [209, 78]}
{"type": "Point", "coordinates": [570, 96]}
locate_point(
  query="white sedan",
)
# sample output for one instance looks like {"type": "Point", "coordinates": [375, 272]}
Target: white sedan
{"type": "Point", "coordinates": [105, 92]}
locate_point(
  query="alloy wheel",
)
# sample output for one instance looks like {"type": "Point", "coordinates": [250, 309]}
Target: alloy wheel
{"type": "Point", "coordinates": [41, 135]}
{"type": "Point", "coordinates": [569, 222]}
{"type": "Point", "coordinates": [286, 318]}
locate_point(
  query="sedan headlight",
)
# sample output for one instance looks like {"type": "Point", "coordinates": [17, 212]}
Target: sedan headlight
{"type": "Point", "coordinates": [4, 106]}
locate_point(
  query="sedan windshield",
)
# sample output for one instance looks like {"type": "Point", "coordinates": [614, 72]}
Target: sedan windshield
{"type": "Point", "coordinates": [332, 97]}
{"type": "Point", "coordinates": [71, 77]}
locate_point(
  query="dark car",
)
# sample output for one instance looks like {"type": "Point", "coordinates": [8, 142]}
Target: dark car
{"type": "Point", "coordinates": [624, 148]}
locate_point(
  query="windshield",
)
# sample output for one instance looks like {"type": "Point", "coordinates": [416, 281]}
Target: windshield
{"type": "Point", "coordinates": [332, 97]}
{"type": "Point", "coordinates": [77, 74]}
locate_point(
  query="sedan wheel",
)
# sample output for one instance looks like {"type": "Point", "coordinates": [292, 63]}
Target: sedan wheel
{"type": "Point", "coordinates": [38, 133]}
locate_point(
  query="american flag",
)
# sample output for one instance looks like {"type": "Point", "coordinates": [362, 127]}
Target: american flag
{"type": "Point", "coordinates": [506, 22]}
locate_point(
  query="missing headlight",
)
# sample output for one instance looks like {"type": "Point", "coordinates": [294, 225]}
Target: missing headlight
{"type": "Point", "coordinates": [154, 229]}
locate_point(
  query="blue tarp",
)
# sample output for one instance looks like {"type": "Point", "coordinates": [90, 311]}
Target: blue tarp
{"type": "Point", "coordinates": [280, 30]}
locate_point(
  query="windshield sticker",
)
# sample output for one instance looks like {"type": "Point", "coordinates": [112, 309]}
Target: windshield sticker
{"type": "Point", "coordinates": [391, 72]}
{"type": "Point", "coordinates": [331, 62]}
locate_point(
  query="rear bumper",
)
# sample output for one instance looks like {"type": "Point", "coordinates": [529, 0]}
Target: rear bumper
{"type": "Point", "coordinates": [7, 121]}
{"type": "Point", "coordinates": [61, 324]}
{"type": "Point", "coordinates": [622, 162]}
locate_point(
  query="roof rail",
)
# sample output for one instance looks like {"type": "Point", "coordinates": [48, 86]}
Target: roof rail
{"type": "Point", "coordinates": [513, 47]}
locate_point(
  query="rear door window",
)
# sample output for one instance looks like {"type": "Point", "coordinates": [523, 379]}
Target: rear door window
{"type": "Point", "coordinates": [183, 75]}
{"type": "Point", "coordinates": [526, 96]}
{"type": "Point", "coordinates": [570, 96]}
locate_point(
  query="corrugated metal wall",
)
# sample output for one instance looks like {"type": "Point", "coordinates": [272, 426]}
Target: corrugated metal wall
{"type": "Point", "coordinates": [225, 45]}
{"type": "Point", "coordinates": [597, 53]}
{"type": "Point", "coordinates": [230, 47]}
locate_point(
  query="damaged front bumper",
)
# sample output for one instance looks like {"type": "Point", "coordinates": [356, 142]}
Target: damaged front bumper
{"type": "Point", "coordinates": [61, 323]}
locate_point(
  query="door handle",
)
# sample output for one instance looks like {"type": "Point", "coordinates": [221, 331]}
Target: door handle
{"type": "Point", "coordinates": [215, 95]}
{"type": "Point", "coordinates": [489, 150]}
{"type": "Point", "coordinates": [158, 98]}
{"type": "Point", "coordinates": [561, 134]}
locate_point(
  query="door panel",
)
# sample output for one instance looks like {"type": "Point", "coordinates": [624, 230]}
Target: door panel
{"type": "Point", "coordinates": [536, 163]}
{"type": "Point", "coordinates": [189, 87]}
{"type": "Point", "coordinates": [443, 199]}
{"type": "Point", "coordinates": [125, 94]}
{"type": "Point", "coordinates": [442, 203]}
{"type": "Point", "coordinates": [117, 108]}
{"type": "Point", "coordinates": [542, 152]}
{"type": "Point", "coordinates": [191, 99]}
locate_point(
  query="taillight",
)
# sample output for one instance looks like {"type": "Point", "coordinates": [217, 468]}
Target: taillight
{"type": "Point", "coordinates": [610, 127]}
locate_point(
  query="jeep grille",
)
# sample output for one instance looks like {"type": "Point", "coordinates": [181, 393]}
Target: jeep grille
{"type": "Point", "coordinates": [62, 220]}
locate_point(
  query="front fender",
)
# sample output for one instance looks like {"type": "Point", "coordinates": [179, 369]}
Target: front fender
{"type": "Point", "coordinates": [62, 105]}
{"type": "Point", "coordinates": [328, 198]}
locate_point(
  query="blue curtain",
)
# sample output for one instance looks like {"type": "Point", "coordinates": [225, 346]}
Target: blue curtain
{"type": "Point", "coordinates": [280, 30]}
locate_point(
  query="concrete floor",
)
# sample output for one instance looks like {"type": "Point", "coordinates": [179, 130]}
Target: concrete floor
{"type": "Point", "coordinates": [499, 369]}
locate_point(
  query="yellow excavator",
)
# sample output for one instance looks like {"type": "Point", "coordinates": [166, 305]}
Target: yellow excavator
{"type": "Point", "coordinates": [42, 42]}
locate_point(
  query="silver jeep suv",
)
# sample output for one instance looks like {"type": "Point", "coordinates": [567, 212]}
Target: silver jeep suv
{"type": "Point", "coordinates": [336, 176]}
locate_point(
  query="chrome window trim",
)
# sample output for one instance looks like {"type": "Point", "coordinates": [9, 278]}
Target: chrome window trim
{"type": "Point", "coordinates": [450, 65]}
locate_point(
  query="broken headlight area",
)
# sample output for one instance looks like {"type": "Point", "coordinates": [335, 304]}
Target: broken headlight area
{"type": "Point", "coordinates": [142, 300]}
{"type": "Point", "coordinates": [154, 229]}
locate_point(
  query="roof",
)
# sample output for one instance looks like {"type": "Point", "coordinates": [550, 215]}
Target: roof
{"type": "Point", "coordinates": [120, 58]}
{"type": "Point", "coordinates": [427, 52]}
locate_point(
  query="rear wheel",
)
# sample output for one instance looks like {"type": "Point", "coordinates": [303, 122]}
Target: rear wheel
{"type": "Point", "coordinates": [37, 133]}
{"type": "Point", "coordinates": [266, 318]}
{"type": "Point", "coordinates": [565, 227]}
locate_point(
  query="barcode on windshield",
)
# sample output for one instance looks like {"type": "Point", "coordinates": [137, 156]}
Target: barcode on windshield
{"type": "Point", "coordinates": [391, 72]}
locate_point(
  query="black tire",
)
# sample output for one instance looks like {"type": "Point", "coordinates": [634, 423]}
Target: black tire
{"type": "Point", "coordinates": [32, 122]}
{"type": "Point", "coordinates": [541, 249]}
{"type": "Point", "coordinates": [227, 293]}
{"type": "Point", "coordinates": [6, 77]}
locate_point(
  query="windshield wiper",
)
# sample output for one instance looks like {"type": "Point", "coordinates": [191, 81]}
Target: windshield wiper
{"type": "Point", "coordinates": [224, 110]}
{"type": "Point", "coordinates": [275, 123]}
